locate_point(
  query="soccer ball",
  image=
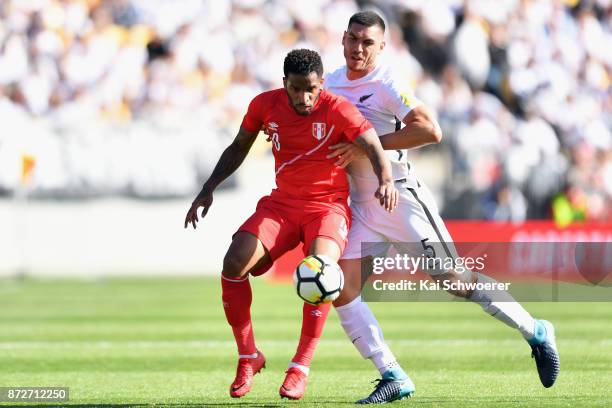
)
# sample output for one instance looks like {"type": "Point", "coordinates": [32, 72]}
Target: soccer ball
{"type": "Point", "coordinates": [318, 279]}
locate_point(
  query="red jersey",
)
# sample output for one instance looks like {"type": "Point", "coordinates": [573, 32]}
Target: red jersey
{"type": "Point", "coordinates": [300, 143]}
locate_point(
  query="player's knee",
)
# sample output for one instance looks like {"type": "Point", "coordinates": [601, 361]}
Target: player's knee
{"type": "Point", "coordinates": [234, 265]}
{"type": "Point", "coordinates": [461, 293]}
{"type": "Point", "coordinates": [353, 283]}
{"type": "Point", "coordinates": [347, 295]}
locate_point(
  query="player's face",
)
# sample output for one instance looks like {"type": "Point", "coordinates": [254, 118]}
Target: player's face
{"type": "Point", "coordinates": [303, 91]}
{"type": "Point", "coordinates": [361, 47]}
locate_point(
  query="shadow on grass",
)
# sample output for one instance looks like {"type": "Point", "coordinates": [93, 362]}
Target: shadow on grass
{"type": "Point", "coordinates": [187, 405]}
{"type": "Point", "coordinates": [434, 402]}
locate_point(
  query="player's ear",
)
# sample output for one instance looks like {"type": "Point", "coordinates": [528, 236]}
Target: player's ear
{"type": "Point", "coordinates": [344, 36]}
{"type": "Point", "coordinates": [382, 45]}
{"type": "Point", "coordinates": [285, 82]}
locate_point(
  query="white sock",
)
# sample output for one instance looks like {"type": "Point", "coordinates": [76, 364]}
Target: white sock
{"type": "Point", "coordinates": [384, 360]}
{"type": "Point", "coordinates": [363, 330]}
{"type": "Point", "coordinates": [302, 368]}
{"type": "Point", "coordinates": [502, 306]}
{"type": "Point", "coordinates": [247, 355]}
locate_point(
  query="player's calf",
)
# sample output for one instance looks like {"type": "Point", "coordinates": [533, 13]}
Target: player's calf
{"type": "Point", "coordinates": [313, 322]}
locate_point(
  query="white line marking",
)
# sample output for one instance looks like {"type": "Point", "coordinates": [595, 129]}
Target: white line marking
{"type": "Point", "coordinates": [270, 343]}
{"type": "Point", "coordinates": [308, 153]}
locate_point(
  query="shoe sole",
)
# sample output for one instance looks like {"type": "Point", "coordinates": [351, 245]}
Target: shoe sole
{"type": "Point", "coordinates": [407, 395]}
{"type": "Point", "coordinates": [290, 397]}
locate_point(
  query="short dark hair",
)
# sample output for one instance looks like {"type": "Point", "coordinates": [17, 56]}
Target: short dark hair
{"type": "Point", "coordinates": [303, 62]}
{"type": "Point", "coordinates": [368, 19]}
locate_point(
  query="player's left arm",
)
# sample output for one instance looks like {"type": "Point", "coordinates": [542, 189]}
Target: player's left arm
{"type": "Point", "coordinates": [421, 129]}
{"type": "Point", "coordinates": [386, 193]}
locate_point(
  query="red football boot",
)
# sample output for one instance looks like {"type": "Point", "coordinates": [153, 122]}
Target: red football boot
{"type": "Point", "coordinates": [294, 385]}
{"type": "Point", "coordinates": [247, 368]}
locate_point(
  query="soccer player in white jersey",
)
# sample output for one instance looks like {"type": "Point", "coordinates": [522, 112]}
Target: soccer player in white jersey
{"type": "Point", "coordinates": [375, 92]}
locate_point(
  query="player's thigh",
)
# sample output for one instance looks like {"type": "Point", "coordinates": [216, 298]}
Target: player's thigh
{"type": "Point", "coordinates": [326, 233]}
{"type": "Point", "coordinates": [325, 246]}
{"type": "Point", "coordinates": [246, 253]}
{"type": "Point", "coordinates": [275, 231]}
{"type": "Point", "coordinates": [418, 230]}
{"type": "Point", "coordinates": [363, 243]}
{"type": "Point", "coordinates": [363, 239]}
{"type": "Point", "coordinates": [421, 202]}
{"type": "Point", "coordinates": [444, 245]}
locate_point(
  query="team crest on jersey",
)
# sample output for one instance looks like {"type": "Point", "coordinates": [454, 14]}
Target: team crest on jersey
{"type": "Point", "coordinates": [318, 130]}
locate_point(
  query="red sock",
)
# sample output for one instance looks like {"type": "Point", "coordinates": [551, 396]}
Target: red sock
{"type": "Point", "coordinates": [313, 322]}
{"type": "Point", "coordinates": [237, 296]}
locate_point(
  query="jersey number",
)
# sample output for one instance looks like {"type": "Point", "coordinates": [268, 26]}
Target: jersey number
{"type": "Point", "coordinates": [276, 141]}
{"type": "Point", "coordinates": [430, 252]}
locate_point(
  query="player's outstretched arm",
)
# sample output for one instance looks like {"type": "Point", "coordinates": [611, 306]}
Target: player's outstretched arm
{"type": "Point", "coordinates": [421, 129]}
{"type": "Point", "coordinates": [230, 160]}
{"type": "Point", "coordinates": [386, 193]}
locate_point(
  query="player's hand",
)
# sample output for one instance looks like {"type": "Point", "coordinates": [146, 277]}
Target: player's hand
{"type": "Point", "coordinates": [346, 153]}
{"type": "Point", "coordinates": [388, 195]}
{"type": "Point", "coordinates": [204, 199]}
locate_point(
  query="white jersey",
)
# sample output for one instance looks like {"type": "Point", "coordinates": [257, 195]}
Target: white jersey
{"type": "Point", "coordinates": [384, 103]}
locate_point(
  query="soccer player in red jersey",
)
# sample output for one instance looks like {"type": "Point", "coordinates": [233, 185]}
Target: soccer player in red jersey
{"type": "Point", "coordinates": [309, 204]}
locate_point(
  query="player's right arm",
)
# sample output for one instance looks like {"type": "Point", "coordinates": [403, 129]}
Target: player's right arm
{"type": "Point", "coordinates": [230, 160]}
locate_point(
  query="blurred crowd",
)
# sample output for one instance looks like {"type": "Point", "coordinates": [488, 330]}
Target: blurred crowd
{"type": "Point", "coordinates": [140, 96]}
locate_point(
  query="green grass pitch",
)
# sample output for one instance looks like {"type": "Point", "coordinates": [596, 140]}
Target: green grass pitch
{"type": "Point", "coordinates": [165, 342]}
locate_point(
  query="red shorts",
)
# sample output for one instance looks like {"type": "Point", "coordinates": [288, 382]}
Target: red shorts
{"type": "Point", "coordinates": [282, 223]}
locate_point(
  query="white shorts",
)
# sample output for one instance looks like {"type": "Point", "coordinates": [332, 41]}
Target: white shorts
{"type": "Point", "coordinates": [415, 223]}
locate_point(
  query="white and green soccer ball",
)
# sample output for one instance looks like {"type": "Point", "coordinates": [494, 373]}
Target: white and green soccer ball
{"type": "Point", "coordinates": [318, 279]}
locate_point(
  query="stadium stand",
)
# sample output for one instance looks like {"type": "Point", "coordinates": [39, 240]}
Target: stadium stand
{"type": "Point", "coordinates": [138, 97]}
